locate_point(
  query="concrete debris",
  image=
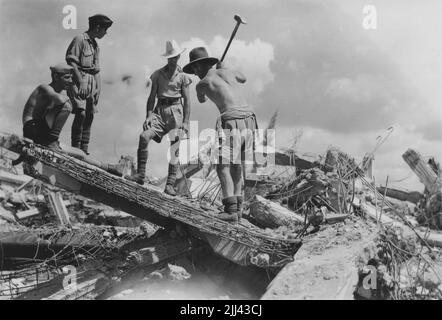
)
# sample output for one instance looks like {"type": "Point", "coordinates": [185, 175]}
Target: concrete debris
{"type": "Point", "coordinates": [177, 272]}
{"type": "Point", "coordinates": [349, 227]}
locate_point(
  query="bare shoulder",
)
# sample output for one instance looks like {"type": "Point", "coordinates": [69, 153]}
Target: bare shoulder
{"type": "Point", "coordinates": [203, 83]}
{"type": "Point", "coordinates": [45, 89]}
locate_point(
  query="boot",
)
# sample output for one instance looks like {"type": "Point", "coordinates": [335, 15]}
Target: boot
{"type": "Point", "coordinates": [54, 145]}
{"type": "Point", "coordinates": [170, 190]}
{"type": "Point", "coordinates": [171, 178]}
{"type": "Point", "coordinates": [137, 178]}
{"type": "Point", "coordinates": [140, 176]}
{"type": "Point", "coordinates": [115, 169]}
{"type": "Point", "coordinates": [239, 202]}
{"type": "Point", "coordinates": [230, 210]}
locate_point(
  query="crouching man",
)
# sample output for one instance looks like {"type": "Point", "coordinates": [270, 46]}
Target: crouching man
{"type": "Point", "coordinates": [45, 114]}
{"type": "Point", "coordinates": [235, 126]}
{"type": "Point", "coordinates": [47, 109]}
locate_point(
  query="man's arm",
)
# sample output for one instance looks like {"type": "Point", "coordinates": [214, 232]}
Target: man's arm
{"type": "Point", "coordinates": [73, 58]}
{"type": "Point", "coordinates": [186, 103]}
{"type": "Point", "coordinates": [151, 100]}
{"type": "Point", "coordinates": [200, 89]}
{"type": "Point", "coordinates": [97, 94]}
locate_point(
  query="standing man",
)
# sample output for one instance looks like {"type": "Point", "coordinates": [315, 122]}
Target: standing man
{"type": "Point", "coordinates": [235, 126]}
{"type": "Point", "coordinates": [83, 55]}
{"type": "Point", "coordinates": [48, 107]}
{"type": "Point", "coordinates": [169, 85]}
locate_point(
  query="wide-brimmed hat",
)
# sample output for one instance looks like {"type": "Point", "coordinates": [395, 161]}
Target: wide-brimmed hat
{"type": "Point", "coordinates": [172, 49]}
{"type": "Point", "coordinates": [197, 55]}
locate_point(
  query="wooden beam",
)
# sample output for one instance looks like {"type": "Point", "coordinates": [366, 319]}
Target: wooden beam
{"type": "Point", "coordinates": [411, 196]}
{"type": "Point", "coordinates": [423, 171]}
{"type": "Point", "coordinates": [56, 205]}
{"type": "Point", "coordinates": [271, 214]}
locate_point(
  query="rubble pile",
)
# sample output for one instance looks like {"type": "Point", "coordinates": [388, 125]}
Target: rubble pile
{"type": "Point", "coordinates": [44, 230]}
{"type": "Point", "coordinates": [397, 267]}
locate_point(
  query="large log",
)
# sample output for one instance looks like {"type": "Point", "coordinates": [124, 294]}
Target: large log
{"type": "Point", "coordinates": [411, 196]}
{"type": "Point", "coordinates": [271, 214]}
{"type": "Point", "coordinates": [423, 171]}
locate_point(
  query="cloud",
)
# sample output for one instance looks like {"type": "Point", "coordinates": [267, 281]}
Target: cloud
{"type": "Point", "coordinates": [330, 75]}
{"type": "Point", "coordinates": [431, 131]}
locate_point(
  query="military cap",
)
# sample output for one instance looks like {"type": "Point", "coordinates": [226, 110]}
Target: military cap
{"type": "Point", "coordinates": [61, 68]}
{"type": "Point", "coordinates": [100, 19]}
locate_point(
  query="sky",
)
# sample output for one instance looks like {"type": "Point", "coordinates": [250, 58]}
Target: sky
{"type": "Point", "coordinates": [333, 82]}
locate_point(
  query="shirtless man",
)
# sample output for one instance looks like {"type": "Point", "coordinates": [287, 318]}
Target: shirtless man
{"type": "Point", "coordinates": [235, 126]}
{"type": "Point", "coordinates": [46, 111]}
{"type": "Point", "coordinates": [48, 108]}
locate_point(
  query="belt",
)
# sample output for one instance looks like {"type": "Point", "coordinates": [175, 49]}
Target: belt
{"type": "Point", "coordinates": [92, 71]}
{"type": "Point", "coordinates": [168, 101]}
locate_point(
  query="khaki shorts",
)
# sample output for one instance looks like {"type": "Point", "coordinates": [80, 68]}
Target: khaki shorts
{"type": "Point", "coordinates": [89, 104]}
{"type": "Point", "coordinates": [236, 140]}
{"type": "Point", "coordinates": [165, 119]}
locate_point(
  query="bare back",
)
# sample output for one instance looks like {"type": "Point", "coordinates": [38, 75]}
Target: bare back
{"type": "Point", "coordinates": [222, 87]}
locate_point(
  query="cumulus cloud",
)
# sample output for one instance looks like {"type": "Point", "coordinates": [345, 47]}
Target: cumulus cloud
{"type": "Point", "coordinates": [253, 58]}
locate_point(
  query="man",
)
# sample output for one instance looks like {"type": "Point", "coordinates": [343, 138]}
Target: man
{"type": "Point", "coordinates": [168, 85]}
{"type": "Point", "coordinates": [83, 55]}
{"type": "Point", "coordinates": [46, 112]}
{"type": "Point", "coordinates": [236, 124]}
{"type": "Point", "coordinates": [48, 107]}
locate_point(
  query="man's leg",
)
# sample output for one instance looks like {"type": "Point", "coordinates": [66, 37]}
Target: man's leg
{"type": "Point", "coordinates": [77, 128]}
{"type": "Point", "coordinates": [173, 167]}
{"type": "Point", "coordinates": [142, 156]}
{"type": "Point", "coordinates": [237, 178]}
{"type": "Point", "coordinates": [86, 135]}
{"type": "Point", "coordinates": [227, 187]}
{"type": "Point", "coordinates": [59, 121]}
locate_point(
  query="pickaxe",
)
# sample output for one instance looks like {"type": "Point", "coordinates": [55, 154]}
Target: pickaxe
{"type": "Point", "coordinates": [238, 20]}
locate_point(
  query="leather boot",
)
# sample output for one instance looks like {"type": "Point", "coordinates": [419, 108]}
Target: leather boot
{"type": "Point", "coordinates": [171, 178]}
{"type": "Point", "coordinates": [140, 176]}
{"type": "Point", "coordinates": [230, 210]}
{"type": "Point", "coordinates": [239, 202]}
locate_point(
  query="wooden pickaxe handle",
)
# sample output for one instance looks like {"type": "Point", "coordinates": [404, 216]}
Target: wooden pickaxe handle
{"type": "Point", "coordinates": [230, 40]}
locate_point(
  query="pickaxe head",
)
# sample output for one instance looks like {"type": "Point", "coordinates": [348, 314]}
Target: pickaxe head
{"type": "Point", "coordinates": [239, 19]}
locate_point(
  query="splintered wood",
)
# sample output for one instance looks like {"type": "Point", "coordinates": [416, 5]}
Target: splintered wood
{"type": "Point", "coordinates": [425, 174]}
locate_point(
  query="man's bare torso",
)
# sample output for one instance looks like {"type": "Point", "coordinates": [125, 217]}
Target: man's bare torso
{"type": "Point", "coordinates": [41, 100]}
{"type": "Point", "coordinates": [222, 87]}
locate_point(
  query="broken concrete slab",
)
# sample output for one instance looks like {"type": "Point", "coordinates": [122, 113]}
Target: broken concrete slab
{"type": "Point", "coordinates": [325, 266]}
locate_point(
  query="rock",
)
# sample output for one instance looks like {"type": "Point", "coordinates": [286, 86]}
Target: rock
{"type": "Point", "coordinates": [17, 198]}
{"type": "Point", "coordinates": [430, 280]}
{"type": "Point", "coordinates": [156, 275]}
{"type": "Point", "coordinates": [177, 272]}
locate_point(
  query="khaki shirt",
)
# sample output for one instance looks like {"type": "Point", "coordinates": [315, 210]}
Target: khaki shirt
{"type": "Point", "coordinates": [85, 52]}
{"type": "Point", "coordinates": [170, 88]}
